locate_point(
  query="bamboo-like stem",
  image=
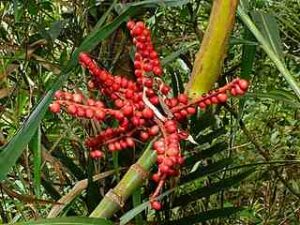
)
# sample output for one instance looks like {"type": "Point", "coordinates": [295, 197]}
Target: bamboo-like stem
{"type": "Point", "coordinates": [210, 57]}
{"type": "Point", "coordinates": [128, 184]}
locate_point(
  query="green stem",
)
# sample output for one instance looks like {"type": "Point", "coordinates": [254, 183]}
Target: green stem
{"type": "Point", "coordinates": [128, 184]}
{"type": "Point", "coordinates": [210, 57]}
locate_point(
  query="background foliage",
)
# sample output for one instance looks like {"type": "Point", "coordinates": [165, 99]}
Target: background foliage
{"type": "Point", "coordinates": [246, 163]}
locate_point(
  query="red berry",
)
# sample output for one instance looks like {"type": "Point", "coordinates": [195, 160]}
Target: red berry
{"type": "Point", "coordinates": [115, 86]}
{"type": "Point", "coordinates": [111, 147]}
{"type": "Point", "coordinates": [153, 55]}
{"type": "Point", "coordinates": [202, 105]}
{"type": "Point", "coordinates": [135, 120]}
{"type": "Point", "coordinates": [137, 56]}
{"type": "Point", "coordinates": [89, 113]}
{"type": "Point", "coordinates": [148, 83]}
{"type": "Point", "coordinates": [118, 146]}
{"type": "Point", "coordinates": [140, 24]}
{"type": "Point", "coordinates": [137, 64]}
{"type": "Point", "coordinates": [170, 123]}
{"type": "Point", "coordinates": [183, 113]}
{"type": "Point", "coordinates": [160, 159]}
{"type": "Point", "coordinates": [156, 205]}
{"type": "Point", "coordinates": [148, 113]}
{"type": "Point", "coordinates": [233, 91]}
{"type": "Point", "coordinates": [138, 73]}
{"type": "Point", "coordinates": [160, 151]}
{"type": "Point", "coordinates": [129, 94]}
{"type": "Point", "coordinates": [72, 109]}
{"type": "Point", "coordinates": [171, 129]}
{"type": "Point", "coordinates": [156, 177]}
{"type": "Point", "coordinates": [158, 144]}
{"type": "Point", "coordinates": [172, 151]}
{"type": "Point", "coordinates": [147, 67]}
{"type": "Point", "coordinates": [58, 94]}
{"type": "Point", "coordinates": [144, 136]}
{"type": "Point", "coordinates": [92, 155]}
{"type": "Point", "coordinates": [214, 100]}
{"type": "Point", "coordinates": [84, 57]}
{"type": "Point", "coordinates": [239, 91]}
{"type": "Point", "coordinates": [67, 96]}
{"type": "Point", "coordinates": [168, 162]}
{"type": "Point", "coordinates": [99, 115]}
{"type": "Point", "coordinates": [137, 30]}
{"type": "Point", "coordinates": [96, 154]}
{"type": "Point", "coordinates": [155, 62]}
{"type": "Point", "coordinates": [119, 103]}
{"type": "Point", "coordinates": [141, 38]}
{"type": "Point", "coordinates": [99, 104]}
{"type": "Point", "coordinates": [127, 110]}
{"type": "Point", "coordinates": [191, 110]}
{"type": "Point", "coordinates": [243, 84]}
{"type": "Point", "coordinates": [91, 102]}
{"type": "Point", "coordinates": [130, 142]}
{"type": "Point", "coordinates": [222, 97]}
{"type": "Point", "coordinates": [140, 46]}
{"type": "Point", "coordinates": [54, 107]}
{"type": "Point", "coordinates": [182, 98]}
{"type": "Point", "coordinates": [103, 76]}
{"type": "Point", "coordinates": [154, 100]}
{"type": "Point", "coordinates": [154, 130]}
{"type": "Point", "coordinates": [173, 102]}
{"type": "Point", "coordinates": [130, 24]}
{"type": "Point", "coordinates": [208, 101]}
{"type": "Point", "coordinates": [165, 89]}
{"type": "Point", "coordinates": [164, 168]}
{"type": "Point", "coordinates": [77, 97]}
{"type": "Point", "coordinates": [124, 82]}
{"type": "Point", "coordinates": [157, 70]}
{"type": "Point", "coordinates": [80, 112]}
{"type": "Point", "coordinates": [178, 116]}
{"type": "Point", "coordinates": [119, 115]}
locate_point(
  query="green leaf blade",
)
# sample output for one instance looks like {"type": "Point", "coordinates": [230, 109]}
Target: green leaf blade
{"type": "Point", "coordinates": [69, 221]}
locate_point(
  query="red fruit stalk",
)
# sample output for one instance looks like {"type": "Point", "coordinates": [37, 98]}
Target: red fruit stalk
{"type": "Point", "coordinates": [143, 108]}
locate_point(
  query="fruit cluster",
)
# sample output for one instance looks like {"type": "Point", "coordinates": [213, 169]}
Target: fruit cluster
{"type": "Point", "coordinates": [143, 108]}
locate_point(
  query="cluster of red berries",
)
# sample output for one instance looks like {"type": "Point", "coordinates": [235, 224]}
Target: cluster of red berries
{"type": "Point", "coordinates": [146, 58]}
{"type": "Point", "coordinates": [142, 108]}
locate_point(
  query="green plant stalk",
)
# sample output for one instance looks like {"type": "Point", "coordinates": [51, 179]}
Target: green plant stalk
{"type": "Point", "coordinates": [128, 184]}
{"type": "Point", "coordinates": [210, 57]}
{"type": "Point", "coordinates": [37, 153]}
{"type": "Point", "coordinates": [268, 49]}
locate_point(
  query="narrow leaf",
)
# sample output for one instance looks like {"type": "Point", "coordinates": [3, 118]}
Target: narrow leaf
{"type": "Point", "coordinates": [209, 152]}
{"type": "Point", "coordinates": [35, 145]}
{"type": "Point", "coordinates": [205, 216]}
{"type": "Point", "coordinates": [159, 3]}
{"type": "Point", "coordinates": [206, 170]}
{"type": "Point", "coordinates": [69, 221]}
{"type": "Point", "coordinates": [137, 200]}
{"type": "Point", "coordinates": [209, 190]}
{"type": "Point", "coordinates": [176, 54]}
{"type": "Point", "coordinates": [269, 50]}
{"type": "Point", "coordinates": [248, 55]}
{"type": "Point", "coordinates": [267, 25]}
{"type": "Point", "coordinates": [277, 95]}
